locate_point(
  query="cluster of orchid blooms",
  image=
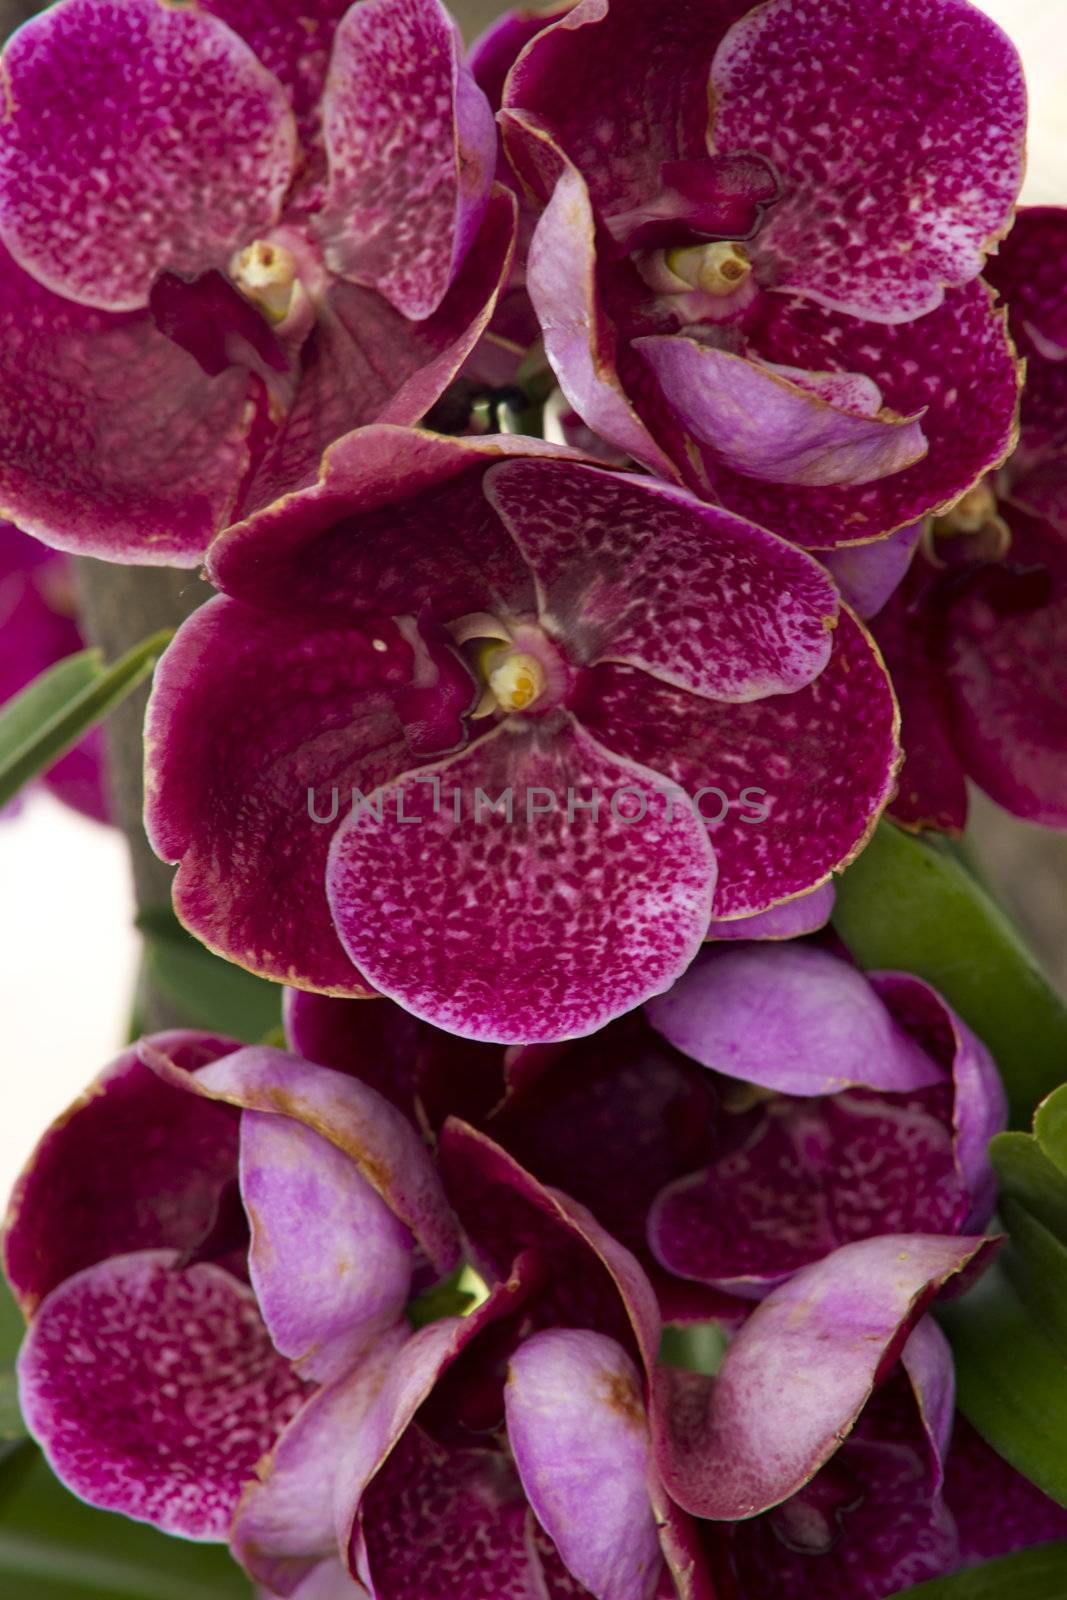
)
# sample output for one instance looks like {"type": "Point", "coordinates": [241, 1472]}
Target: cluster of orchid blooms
{"type": "Point", "coordinates": [395, 1310]}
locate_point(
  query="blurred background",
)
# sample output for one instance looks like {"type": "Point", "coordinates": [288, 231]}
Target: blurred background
{"type": "Point", "coordinates": [68, 949]}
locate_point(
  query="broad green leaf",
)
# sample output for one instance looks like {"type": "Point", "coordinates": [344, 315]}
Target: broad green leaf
{"type": "Point", "coordinates": [1027, 1176]}
{"type": "Point", "coordinates": [1036, 1263]}
{"type": "Point", "coordinates": [1011, 1378]}
{"type": "Point", "coordinates": [909, 903]}
{"type": "Point", "coordinates": [1039, 1574]}
{"type": "Point", "coordinates": [52, 713]}
{"type": "Point", "coordinates": [12, 1327]}
{"type": "Point", "coordinates": [209, 992]}
{"type": "Point", "coordinates": [1050, 1128]}
{"type": "Point", "coordinates": [52, 1547]}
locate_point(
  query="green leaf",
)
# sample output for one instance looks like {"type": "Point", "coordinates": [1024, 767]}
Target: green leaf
{"type": "Point", "coordinates": [1039, 1574]}
{"type": "Point", "coordinates": [1029, 1178]}
{"type": "Point", "coordinates": [1011, 1376]}
{"type": "Point", "coordinates": [208, 991]}
{"type": "Point", "coordinates": [52, 1547]}
{"type": "Point", "coordinates": [909, 903]}
{"type": "Point", "coordinates": [52, 713]}
{"type": "Point", "coordinates": [12, 1429]}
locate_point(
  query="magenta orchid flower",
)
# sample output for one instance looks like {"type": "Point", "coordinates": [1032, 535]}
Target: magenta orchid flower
{"type": "Point", "coordinates": [974, 634]}
{"type": "Point", "coordinates": [229, 233]}
{"type": "Point", "coordinates": [778, 304]}
{"type": "Point", "coordinates": [38, 628]}
{"type": "Point", "coordinates": [508, 1453]}
{"type": "Point", "coordinates": [214, 1248]}
{"type": "Point", "coordinates": [554, 694]}
{"type": "Point", "coordinates": [848, 1106]}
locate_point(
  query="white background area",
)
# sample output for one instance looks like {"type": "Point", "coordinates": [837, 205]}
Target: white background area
{"type": "Point", "coordinates": [67, 950]}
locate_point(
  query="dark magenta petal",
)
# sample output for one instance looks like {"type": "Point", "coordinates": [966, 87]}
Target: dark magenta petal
{"type": "Point", "coordinates": [535, 922]}
{"type": "Point", "coordinates": [956, 367]}
{"type": "Point", "coordinates": [356, 540]}
{"type": "Point", "coordinates": [411, 147]}
{"type": "Point", "coordinates": [623, 92]}
{"type": "Point", "coordinates": [792, 1018]}
{"type": "Point", "coordinates": [194, 136]}
{"type": "Point", "coordinates": [891, 193]}
{"type": "Point", "coordinates": [115, 442]}
{"type": "Point", "coordinates": [710, 197]}
{"type": "Point", "coordinates": [996, 1509]}
{"type": "Point", "coordinates": [593, 1281]}
{"type": "Point", "coordinates": [1007, 680]}
{"type": "Point", "coordinates": [294, 45]}
{"type": "Point", "coordinates": [374, 1135]}
{"type": "Point", "coordinates": [134, 1164]}
{"type": "Point", "coordinates": [927, 1360]}
{"type": "Point", "coordinates": [577, 1430]}
{"type": "Point", "coordinates": [373, 1040]}
{"type": "Point", "coordinates": [365, 362]}
{"type": "Point", "coordinates": [789, 786]}
{"type": "Point", "coordinates": [287, 1522]}
{"type": "Point", "coordinates": [797, 1376]}
{"type": "Point", "coordinates": [868, 574]}
{"type": "Point", "coordinates": [633, 572]}
{"type": "Point", "coordinates": [208, 317]}
{"type": "Point", "coordinates": [154, 1389]}
{"type": "Point", "coordinates": [1025, 271]}
{"type": "Point", "coordinates": [250, 712]}
{"type": "Point", "coordinates": [763, 423]}
{"type": "Point", "coordinates": [494, 52]}
{"type": "Point", "coordinates": [329, 1262]}
{"type": "Point", "coordinates": [806, 914]}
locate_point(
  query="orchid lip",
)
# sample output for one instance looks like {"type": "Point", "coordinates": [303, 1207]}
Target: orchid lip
{"type": "Point", "coordinates": [266, 273]}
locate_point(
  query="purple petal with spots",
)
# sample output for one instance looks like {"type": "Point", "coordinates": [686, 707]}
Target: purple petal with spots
{"type": "Point", "coordinates": [969, 424]}
{"type": "Point", "coordinates": [996, 1509]}
{"type": "Point", "coordinates": [559, 919]}
{"type": "Point", "coordinates": [374, 1135]}
{"type": "Point", "coordinates": [329, 1262]}
{"type": "Point", "coordinates": [494, 52]}
{"type": "Point", "coordinates": [134, 1164]}
{"type": "Point", "coordinates": [289, 1521]}
{"type": "Point", "coordinates": [154, 1389]}
{"type": "Point", "coordinates": [327, 1581]}
{"type": "Point", "coordinates": [115, 442]}
{"type": "Point", "coordinates": [898, 127]}
{"type": "Point", "coordinates": [797, 1376]}
{"type": "Point", "coordinates": [632, 572]}
{"type": "Point", "coordinates": [293, 44]}
{"type": "Point", "coordinates": [196, 139]}
{"type": "Point", "coordinates": [577, 1429]}
{"type": "Point", "coordinates": [1025, 272]}
{"type": "Point", "coordinates": [411, 146]}
{"type": "Point", "coordinates": [249, 712]}
{"type": "Point", "coordinates": [763, 423]}
{"type": "Point", "coordinates": [806, 914]}
{"type": "Point", "coordinates": [791, 1018]}
{"type": "Point", "coordinates": [868, 574]}
{"type": "Point", "coordinates": [783, 808]}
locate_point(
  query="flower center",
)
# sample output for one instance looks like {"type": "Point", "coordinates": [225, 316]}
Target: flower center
{"type": "Point", "coordinates": [266, 273]}
{"type": "Point", "coordinates": [972, 531]}
{"type": "Point", "coordinates": [516, 679]}
{"type": "Point", "coordinates": [717, 269]}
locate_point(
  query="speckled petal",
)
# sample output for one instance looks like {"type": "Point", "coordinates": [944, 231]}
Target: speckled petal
{"type": "Point", "coordinates": [792, 1018]}
{"type": "Point", "coordinates": [382, 483]}
{"type": "Point", "coordinates": [762, 424]}
{"type": "Point", "coordinates": [330, 1263]}
{"type": "Point", "coordinates": [806, 914]}
{"type": "Point", "coordinates": [624, 93]}
{"type": "Point", "coordinates": [288, 1522]}
{"type": "Point", "coordinates": [375, 1136]}
{"type": "Point", "coordinates": [868, 574]}
{"type": "Point", "coordinates": [955, 366]}
{"type": "Point", "coordinates": [494, 52]}
{"type": "Point", "coordinates": [1026, 272]}
{"type": "Point", "coordinates": [138, 137]}
{"type": "Point", "coordinates": [154, 1390]}
{"type": "Point", "coordinates": [577, 1430]}
{"type": "Point", "coordinates": [797, 1376]}
{"type": "Point", "coordinates": [539, 927]}
{"type": "Point", "coordinates": [292, 43]}
{"type": "Point", "coordinates": [639, 572]}
{"type": "Point", "coordinates": [1003, 656]}
{"type": "Point", "coordinates": [996, 1509]}
{"type": "Point", "coordinates": [134, 1164]}
{"type": "Point", "coordinates": [365, 362]}
{"type": "Point", "coordinates": [788, 786]}
{"type": "Point", "coordinates": [113, 441]}
{"type": "Point", "coordinates": [251, 712]}
{"type": "Point", "coordinates": [898, 127]}
{"type": "Point", "coordinates": [412, 150]}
